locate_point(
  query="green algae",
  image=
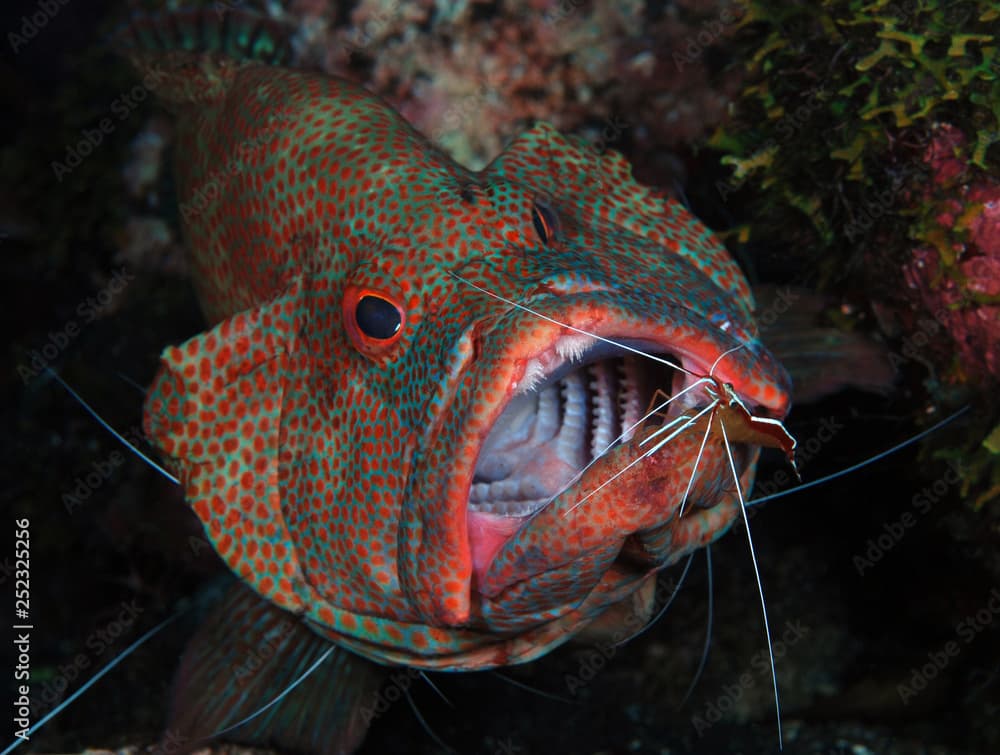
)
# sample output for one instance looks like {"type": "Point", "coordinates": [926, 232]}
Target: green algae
{"type": "Point", "coordinates": [841, 94]}
{"type": "Point", "coordinates": [832, 135]}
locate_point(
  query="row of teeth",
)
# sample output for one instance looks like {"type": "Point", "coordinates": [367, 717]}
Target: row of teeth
{"type": "Point", "coordinates": [612, 399]}
{"type": "Point", "coordinates": [485, 500]}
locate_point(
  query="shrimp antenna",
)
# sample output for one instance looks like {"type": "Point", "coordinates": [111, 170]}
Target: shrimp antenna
{"type": "Point", "coordinates": [433, 686]}
{"type": "Point", "coordinates": [756, 571]}
{"type": "Point", "coordinates": [688, 423]}
{"type": "Point", "coordinates": [708, 629]}
{"type": "Point", "coordinates": [663, 609]}
{"type": "Point", "coordinates": [93, 680]}
{"type": "Point", "coordinates": [534, 690]}
{"type": "Point", "coordinates": [861, 464]}
{"type": "Point", "coordinates": [107, 426]}
{"type": "Point", "coordinates": [134, 383]}
{"type": "Point", "coordinates": [628, 431]}
{"type": "Point", "coordinates": [538, 314]}
{"type": "Point", "coordinates": [413, 706]}
{"type": "Point", "coordinates": [302, 677]}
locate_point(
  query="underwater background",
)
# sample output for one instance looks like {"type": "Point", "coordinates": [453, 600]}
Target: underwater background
{"type": "Point", "coordinates": [847, 151]}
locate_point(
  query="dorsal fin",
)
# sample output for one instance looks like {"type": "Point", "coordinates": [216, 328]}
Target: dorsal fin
{"type": "Point", "coordinates": [189, 56]}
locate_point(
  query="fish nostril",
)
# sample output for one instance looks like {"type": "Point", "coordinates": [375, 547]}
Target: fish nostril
{"type": "Point", "coordinates": [545, 220]}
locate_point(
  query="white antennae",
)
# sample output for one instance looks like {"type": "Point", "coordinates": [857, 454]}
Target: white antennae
{"type": "Point", "coordinates": [663, 610]}
{"type": "Point", "coordinates": [697, 461]}
{"type": "Point", "coordinates": [121, 438]}
{"type": "Point", "coordinates": [756, 571]}
{"type": "Point", "coordinates": [708, 630]}
{"type": "Point", "coordinates": [513, 303]}
{"type": "Point", "coordinates": [724, 354]}
{"type": "Point", "coordinates": [624, 433]}
{"type": "Point", "coordinates": [305, 674]}
{"type": "Point", "coordinates": [646, 455]}
{"type": "Point", "coordinates": [93, 680]}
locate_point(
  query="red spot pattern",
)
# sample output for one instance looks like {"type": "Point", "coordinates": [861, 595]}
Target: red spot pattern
{"type": "Point", "coordinates": [333, 477]}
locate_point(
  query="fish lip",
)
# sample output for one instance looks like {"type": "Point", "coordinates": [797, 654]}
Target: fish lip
{"type": "Point", "coordinates": [488, 531]}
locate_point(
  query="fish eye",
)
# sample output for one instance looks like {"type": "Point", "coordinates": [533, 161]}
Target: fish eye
{"type": "Point", "coordinates": [375, 320]}
{"type": "Point", "coordinates": [377, 317]}
{"type": "Point", "coordinates": [545, 220]}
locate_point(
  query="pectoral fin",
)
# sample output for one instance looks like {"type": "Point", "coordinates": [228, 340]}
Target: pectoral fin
{"type": "Point", "coordinates": [248, 653]}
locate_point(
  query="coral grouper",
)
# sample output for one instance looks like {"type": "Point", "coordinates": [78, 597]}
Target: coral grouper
{"type": "Point", "coordinates": [410, 429]}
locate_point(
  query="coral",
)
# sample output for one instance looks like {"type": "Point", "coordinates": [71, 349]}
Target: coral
{"type": "Point", "coordinates": [840, 96]}
{"type": "Point", "coordinates": [956, 276]}
{"type": "Point", "coordinates": [142, 171]}
{"type": "Point", "coordinates": [474, 74]}
{"type": "Point", "coordinates": [868, 139]}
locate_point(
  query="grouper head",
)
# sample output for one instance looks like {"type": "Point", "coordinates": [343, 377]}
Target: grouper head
{"type": "Point", "coordinates": [416, 418]}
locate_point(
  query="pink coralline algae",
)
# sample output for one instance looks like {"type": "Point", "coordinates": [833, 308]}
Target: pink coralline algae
{"type": "Point", "coordinates": [957, 278]}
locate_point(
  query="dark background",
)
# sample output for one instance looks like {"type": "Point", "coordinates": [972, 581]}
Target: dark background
{"type": "Point", "coordinates": [129, 540]}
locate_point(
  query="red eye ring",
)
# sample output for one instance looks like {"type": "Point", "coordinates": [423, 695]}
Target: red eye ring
{"type": "Point", "coordinates": [375, 320]}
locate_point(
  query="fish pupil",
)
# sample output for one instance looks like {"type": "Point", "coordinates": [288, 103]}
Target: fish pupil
{"type": "Point", "coordinates": [377, 317]}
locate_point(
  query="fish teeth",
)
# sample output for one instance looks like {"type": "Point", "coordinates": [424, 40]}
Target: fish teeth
{"type": "Point", "coordinates": [631, 411]}
{"type": "Point", "coordinates": [533, 489]}
{"type": "Point", "coordinates": [569, 443]}
{"type": "Point", "coordinates": [573, 347]}
{"type": "Point", "coordinates": [603, 400]}
{"type": "Point", "coordinates": [547, 417]}
{"type": "Point", "coordinates": [513, 508]}
{"type": "Point", "coordinates": [479, 492]}
{"type": "Point", "coordinates": [505, 490]}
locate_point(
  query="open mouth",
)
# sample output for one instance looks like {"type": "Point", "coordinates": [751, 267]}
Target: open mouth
{"type": "Point", "coordinates": [565, 414]}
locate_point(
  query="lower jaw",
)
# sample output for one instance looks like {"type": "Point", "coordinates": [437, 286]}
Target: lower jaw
{"type": "Point", "coordinates": [631, 512]}
{"type": "Point", "coordinates": [487, 535]}
{"type": "Point", "coordinates": [492, 525]}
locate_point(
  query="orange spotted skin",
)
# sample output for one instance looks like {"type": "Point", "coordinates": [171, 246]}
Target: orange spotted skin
{"type": "Point", "coordinates": [331, 470]}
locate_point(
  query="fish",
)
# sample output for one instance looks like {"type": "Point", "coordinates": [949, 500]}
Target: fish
{"type": "Point", "coordinates": [414, 429]}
